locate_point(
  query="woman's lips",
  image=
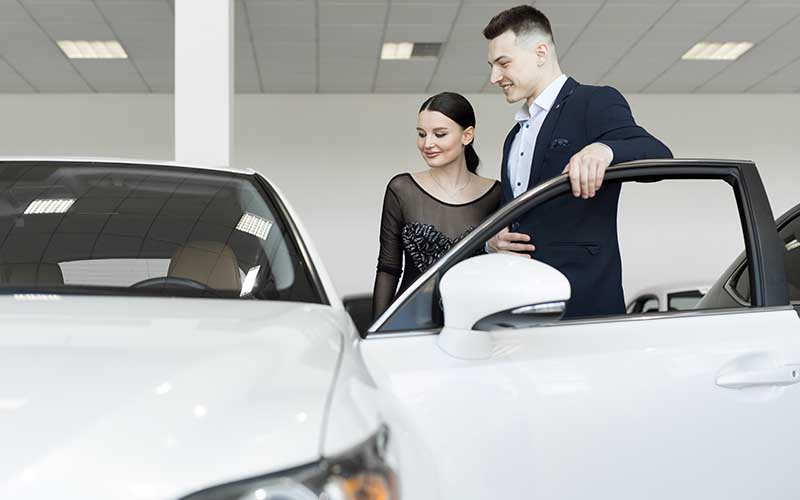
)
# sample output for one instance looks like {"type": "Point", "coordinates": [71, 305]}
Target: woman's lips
{"type": "Point", "coordinates": [431, 155]}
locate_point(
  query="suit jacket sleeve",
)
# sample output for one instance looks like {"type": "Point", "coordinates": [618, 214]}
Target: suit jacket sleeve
{"type": "Point", "coordinates": [609, 121]}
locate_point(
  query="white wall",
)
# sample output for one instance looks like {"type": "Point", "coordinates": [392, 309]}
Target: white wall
{"type": "Point", "coordinates": [333, 154]}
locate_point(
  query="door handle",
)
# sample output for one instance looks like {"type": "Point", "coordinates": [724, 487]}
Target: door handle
{"type": "Point", "coordinates": [780, 376]}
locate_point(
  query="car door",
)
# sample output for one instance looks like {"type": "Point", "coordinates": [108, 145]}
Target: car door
{"type": "Point", "coordinates": [697, 404]}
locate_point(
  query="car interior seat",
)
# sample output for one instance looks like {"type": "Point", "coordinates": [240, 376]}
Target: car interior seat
{"type": "Point", "coordinates": [209, 262]}
{"type": "Point", "coordinates": [31, 273]}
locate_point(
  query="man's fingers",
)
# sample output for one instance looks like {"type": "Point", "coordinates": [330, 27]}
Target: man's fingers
{"type": "Point", "coordinates": [586, 165]}
{"type": "Point", "coordinates": [575, 175]}
{"type": "Point", "coordinates": [512, 237]}
{"type": "Point", "coordinates": [601, 172]}
{"type": "Point", "coordinates": [519, 247]}
{"type": "Point", "coordinates": [591, 180]}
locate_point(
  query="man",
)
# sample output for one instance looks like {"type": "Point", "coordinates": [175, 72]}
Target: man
{"type": "Point", "coordinates": [563, 127]}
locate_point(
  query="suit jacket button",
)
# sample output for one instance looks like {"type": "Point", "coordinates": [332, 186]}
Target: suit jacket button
{"type": "Point", "coordinates": [514, 226]}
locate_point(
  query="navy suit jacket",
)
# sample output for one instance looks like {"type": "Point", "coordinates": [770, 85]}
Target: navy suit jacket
{"type": "Point", "coordinates": [576, 236]}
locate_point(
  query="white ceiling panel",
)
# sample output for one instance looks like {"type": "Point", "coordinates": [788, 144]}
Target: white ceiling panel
{"type": "Point", "coordinates": [79, 31]}
{"type": "Point", "coordinates": [416, 33]}
{"type": "Point", "coordinates": [441, 14]}
{"type": "Point", "coordinates": [343, 33]}
{"type": "Point", "coordinates": [136, 11]}
{"type": "Point", "coordinates": [11, 12]}
{"type": "Point", "coordinates": [353, 13]}
{"type": "Point", "coordinates": [285, 12]}
{"type": "Point", "coordinates": [568, 12]}
{"type": "Point", "coordinates": [465, 85]}
{"type": "Point", "coordinates": [686, 75]}
{"type": "Point", "coordinates": [265, 35]}
{"type": "Point", "coordinates": [111, 76]}
{"type": "Point", "coordinates": [11, 81]}
{"type": "Point", "coordinates": [761, 61]}
{"type": "Point", "coordinates": [399, 76]}
{"type": "Point", "coordinates": [289, 83]}
{"type": "Point", "coordinates": [785, 80]}
{"type": "Point", "coordinates": [631, 13]}
{"type": "Point", "coordinates": [565, 35]}
{"type": "Point", "coordinates": [65, 12]}
{"type": "Point", "coordinates": [705, 13]}
{"type": "Point", "coordinates": [334, 45]}
{"type": "Point", "coordinates": [622, 34]}
{"type": "Point", "coordinates": [361, 51]}
{"type": "Point", "coordinates": [471, 34]}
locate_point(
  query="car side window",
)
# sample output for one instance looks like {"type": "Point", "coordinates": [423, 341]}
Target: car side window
{"type": "Point", "coordinates": [790, 235]}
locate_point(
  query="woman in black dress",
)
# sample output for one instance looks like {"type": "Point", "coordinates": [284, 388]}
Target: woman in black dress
{"type": "Point", "coordinates": [425, 213]}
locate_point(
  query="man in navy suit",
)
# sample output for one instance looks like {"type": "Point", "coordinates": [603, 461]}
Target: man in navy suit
{"type": "Point", "coordinates": [563, 127]}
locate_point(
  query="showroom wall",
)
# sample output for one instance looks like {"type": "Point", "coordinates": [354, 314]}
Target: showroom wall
{"type": "Point", "coordinates": [333, 154]}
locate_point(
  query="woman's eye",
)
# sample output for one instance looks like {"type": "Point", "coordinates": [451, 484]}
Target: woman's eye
{"type": "Point", "coordinates": [420, 134]}
{"type": "Point", "coordinates": [441, 135]}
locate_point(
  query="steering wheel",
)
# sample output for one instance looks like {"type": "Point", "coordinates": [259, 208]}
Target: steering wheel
{"type": "Point", "coordinates": [161, 281]}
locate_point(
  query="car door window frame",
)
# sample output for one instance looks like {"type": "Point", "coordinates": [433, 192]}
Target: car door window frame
{"type": "Point", "coordinates": [762, 245]}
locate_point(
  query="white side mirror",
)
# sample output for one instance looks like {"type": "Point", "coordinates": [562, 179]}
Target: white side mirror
{"type": "Point", "coordinates": [496, 291]}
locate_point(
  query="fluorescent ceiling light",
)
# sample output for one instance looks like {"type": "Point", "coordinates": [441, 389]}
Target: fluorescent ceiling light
{"type": "Point", "coordinates": [711, 51]}
{"type": "Point", "coordinates": [255, 225]}
{"type": "Point", "coordinates": [49, 206]}
{"type": "Point", "coordinates": [394, 51]}
{"type": "Point", "coordinates": [92, 49]}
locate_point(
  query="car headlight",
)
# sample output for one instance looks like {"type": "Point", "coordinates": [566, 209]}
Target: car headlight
{"type": "Point", "coordinates": [358, 474]}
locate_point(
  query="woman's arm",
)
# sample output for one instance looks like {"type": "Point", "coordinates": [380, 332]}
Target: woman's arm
{"type": "Point", "coordinates": [390, 258]}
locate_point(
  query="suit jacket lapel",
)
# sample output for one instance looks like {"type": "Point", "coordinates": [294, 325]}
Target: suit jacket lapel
{"type": "Point", "coordinates": [508, 193]}
{"type": "Point", "coordinates": [546, 132]}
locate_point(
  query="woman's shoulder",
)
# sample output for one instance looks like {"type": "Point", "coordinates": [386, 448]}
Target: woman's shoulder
{"type": "Point", "coordinates": [398, 180]}
{"type": "Point", "coordinates": [487, 183]}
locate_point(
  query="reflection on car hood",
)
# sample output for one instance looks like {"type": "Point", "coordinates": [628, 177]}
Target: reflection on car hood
{"type": "Point", "coordinates": [139, 398]}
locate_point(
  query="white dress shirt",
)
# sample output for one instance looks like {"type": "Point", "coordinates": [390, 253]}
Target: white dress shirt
{"type": "Point", "coordinates": [530, 120]}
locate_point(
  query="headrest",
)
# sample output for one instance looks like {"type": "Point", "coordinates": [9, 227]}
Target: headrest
{"type": "Point", "coordinates": [208, 262]}
{"type": "Point", "coordinates": [46, 274]}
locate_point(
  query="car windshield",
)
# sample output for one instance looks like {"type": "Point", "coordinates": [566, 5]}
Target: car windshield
{"type": "Point", "coordinates": [102, 228]}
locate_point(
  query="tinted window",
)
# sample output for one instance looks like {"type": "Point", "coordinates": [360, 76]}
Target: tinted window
{"type": "Point", "coordinates": [790, 234]}
{"type": "Point", "coordinates": [680, 301]}
{"type": "Point", "coordinates": [144, 230]}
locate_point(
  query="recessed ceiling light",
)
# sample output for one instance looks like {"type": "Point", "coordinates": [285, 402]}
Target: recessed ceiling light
{"type": "Point", "coordinates": [409, 50]}
{"type": "Point", "coordinates": [715, 51]}
{"type": "Point", "coordinates": [92, 49]}
{"type": "Point", "coordinates": [394, 51]}
{"type": "Point", "coordinates": [56, 206]}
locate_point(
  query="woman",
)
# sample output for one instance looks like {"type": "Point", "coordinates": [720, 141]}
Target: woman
{"type": "Point", "coordinates": [425, 213]}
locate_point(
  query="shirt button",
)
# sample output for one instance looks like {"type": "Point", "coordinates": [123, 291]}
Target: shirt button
{"type": "Point", "coordinates": [527, 125]}
{"type": "Point", "coordinates": [519, 184]}
{"type": "Point", "coordinates": [522, 154]}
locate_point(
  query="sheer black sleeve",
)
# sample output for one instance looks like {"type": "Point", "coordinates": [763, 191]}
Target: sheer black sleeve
{"type": "Point", "coordinates": [390, 258]}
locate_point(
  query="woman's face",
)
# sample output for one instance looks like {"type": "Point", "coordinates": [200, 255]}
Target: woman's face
{"type": "Point", "coordinates": [440, 140]}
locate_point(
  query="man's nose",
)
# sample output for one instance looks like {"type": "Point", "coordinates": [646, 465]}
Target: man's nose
{"type": "Point", "coordinates": [495, 76]}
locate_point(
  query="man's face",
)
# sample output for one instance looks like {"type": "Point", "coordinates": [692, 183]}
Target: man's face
{"type": "Point", "coordinates": [514, 68]}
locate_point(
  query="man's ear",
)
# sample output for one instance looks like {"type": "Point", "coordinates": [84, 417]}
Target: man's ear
{"type": "Point", "coordinates": [542, 51]}
{"type": "Point", "coordinates": [469, 135]}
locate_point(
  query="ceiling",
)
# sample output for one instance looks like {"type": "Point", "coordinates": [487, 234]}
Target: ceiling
{"type": "Point", "coordinates": [333, 46]}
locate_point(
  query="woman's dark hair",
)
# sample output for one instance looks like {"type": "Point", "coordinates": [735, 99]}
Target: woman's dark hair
{"type": "Point", "coordinates": [457, 108]}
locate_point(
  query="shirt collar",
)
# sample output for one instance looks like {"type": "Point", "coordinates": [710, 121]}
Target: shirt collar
{"type": "Point", "coordinates": [543, 102]}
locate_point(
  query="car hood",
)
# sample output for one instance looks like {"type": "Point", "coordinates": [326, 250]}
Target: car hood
{"type": "Point", "coordinates": [140, 398]}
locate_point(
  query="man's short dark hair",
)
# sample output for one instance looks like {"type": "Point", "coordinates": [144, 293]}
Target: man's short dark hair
{"type": "Point", "coordinates": [522, 20]}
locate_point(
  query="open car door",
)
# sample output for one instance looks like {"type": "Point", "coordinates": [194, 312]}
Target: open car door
{"type": "Point", "coordinates": [513, 402]}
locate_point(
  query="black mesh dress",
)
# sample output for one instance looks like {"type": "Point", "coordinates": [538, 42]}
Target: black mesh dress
{"type": "Point", "coordinates": [421, 228]}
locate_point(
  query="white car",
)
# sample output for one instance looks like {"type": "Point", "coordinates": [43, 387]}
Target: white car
{"type": "Point", "coordinates": [182, 340]}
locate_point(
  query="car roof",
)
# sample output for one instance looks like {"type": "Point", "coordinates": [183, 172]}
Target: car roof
{"type": "Point", "coordinates": [128, 161]}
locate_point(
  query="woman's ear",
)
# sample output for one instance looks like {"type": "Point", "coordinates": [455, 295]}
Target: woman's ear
{"type": "Point", "coordinates": [468, 136]}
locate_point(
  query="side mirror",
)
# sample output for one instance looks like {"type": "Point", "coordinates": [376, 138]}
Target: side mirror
{"type": "Point", "coordinates": [497, 291]}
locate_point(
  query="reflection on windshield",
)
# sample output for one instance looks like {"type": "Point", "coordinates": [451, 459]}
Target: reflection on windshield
{"type": "Point", "coordinates": [143, 230]}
